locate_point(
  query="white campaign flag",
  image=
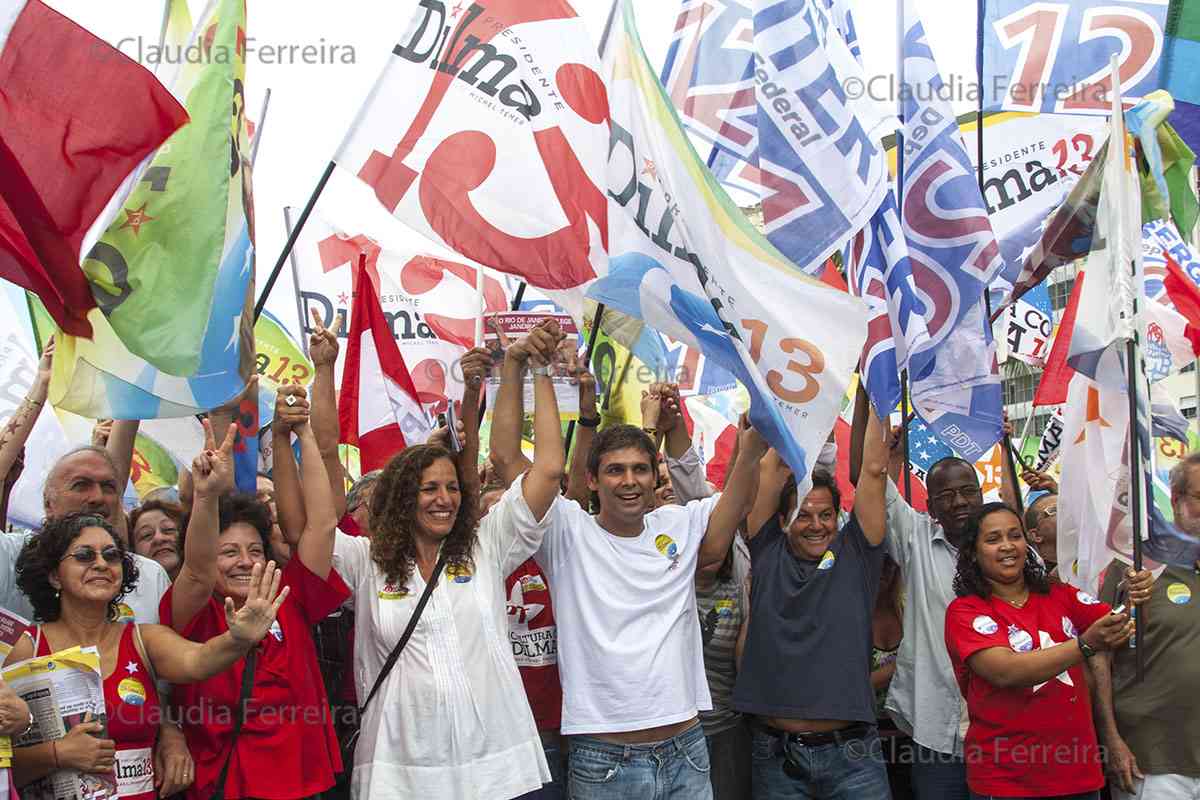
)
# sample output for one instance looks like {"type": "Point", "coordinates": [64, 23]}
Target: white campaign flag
{"type": "Point", "coordinates": [487, 134]}
{"type": "Point", "coordinates": [1094, 448]}
{"type": "Point", "coordinates": [685, 260]}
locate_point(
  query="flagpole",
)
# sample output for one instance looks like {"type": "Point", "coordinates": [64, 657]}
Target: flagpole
{"type": "Point", "coordinates": [1133, 367]}
{"type": "Point", "coordinates": [900, 210]}
{"type": "Point", "coordinates": [291, 240]}
{"type": "Point", "coordinates": [1005, 439]}
{"type": "Point", "coordinates": [287, 225]}
{"type": "Point", "coordinates": [519, 296]}
{"type": "Point", "coordinates": [262, 123]}
{"type": "Point", "coordinates": [904, 435]}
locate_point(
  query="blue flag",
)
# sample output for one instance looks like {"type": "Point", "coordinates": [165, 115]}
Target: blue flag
{"type": "Point", "coordinates": [954, 256]}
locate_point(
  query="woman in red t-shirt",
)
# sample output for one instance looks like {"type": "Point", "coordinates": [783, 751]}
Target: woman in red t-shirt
{"type": "Point", "coordinates": [75, 573]}
{"type": "Point", "coordinates": [286, 748]}
{"type": "Point", "coordinates": [1019, 643]}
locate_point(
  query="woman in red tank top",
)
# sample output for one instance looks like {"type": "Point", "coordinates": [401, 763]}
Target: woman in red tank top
{"type": "Point", "coordinates": [74, 573]}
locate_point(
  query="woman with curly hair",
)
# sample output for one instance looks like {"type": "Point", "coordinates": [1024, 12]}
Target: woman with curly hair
{"type": "Point", "coordinates": [284, 721]}
{"type": "Point", "coordinates": [451, 718]}
{"type": "Point", "coordinates": [155, 527]}
{"type": "Point", "coordinates": [75, 573]}
{"type": "Point", "coordinates": [1015, 640]}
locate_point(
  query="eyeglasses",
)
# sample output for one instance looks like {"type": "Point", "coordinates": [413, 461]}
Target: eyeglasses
{"type": "Point", "coordinates": [965, 492]}
{"type": "Point", "coordinates": [1049, 511]}
{"type": "Point", "coordinates": [87, 555]}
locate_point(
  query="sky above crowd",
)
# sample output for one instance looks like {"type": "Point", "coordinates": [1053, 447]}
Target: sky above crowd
{"type": "Point", "coordinates": [316, 93]}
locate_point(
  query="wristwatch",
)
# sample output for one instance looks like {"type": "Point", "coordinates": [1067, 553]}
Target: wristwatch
{"type": "Point", "coordinates": [1087, 650]}
{"type": "Point", "coordinates": [540, 372]}
{"type": "Point", "coordinates": [589, 422]}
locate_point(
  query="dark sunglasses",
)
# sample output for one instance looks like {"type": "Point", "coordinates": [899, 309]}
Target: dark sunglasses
{"type": "Point", "coordinates": [87, 555]}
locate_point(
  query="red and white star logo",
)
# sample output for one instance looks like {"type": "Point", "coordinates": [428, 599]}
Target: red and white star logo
{"type": "Point", "coordinates": [136, 219]}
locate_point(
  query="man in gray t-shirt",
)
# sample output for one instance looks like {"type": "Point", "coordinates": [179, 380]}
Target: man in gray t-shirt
{"type": "Point", "coordinates": [812, 596]}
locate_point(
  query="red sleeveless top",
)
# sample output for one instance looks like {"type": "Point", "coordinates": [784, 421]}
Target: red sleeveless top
{"type": "Point", "coordinates": [131, 703]}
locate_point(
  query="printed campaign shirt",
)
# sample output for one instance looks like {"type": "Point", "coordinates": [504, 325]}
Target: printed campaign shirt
{"type": "Point", "coordinates": [534, 638]}
{"type": "Point", "coordinates": [1027, 741]}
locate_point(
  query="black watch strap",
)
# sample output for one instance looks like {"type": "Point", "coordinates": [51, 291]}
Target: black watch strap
{"type": "Point", "coordinates": [1087, 650]}
{"type": "Point", "coordinates": [589, 422]}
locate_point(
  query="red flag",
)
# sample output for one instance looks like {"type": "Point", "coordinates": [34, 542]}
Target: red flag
{"type": "Point", "coordinates": [76, 117]}
{"type": "Point", "coordinates": [378, 408]}
{"type": "Point", "coordinates": [1185, 296]}
{"type": "Point", "coordinates": [1052, 389]}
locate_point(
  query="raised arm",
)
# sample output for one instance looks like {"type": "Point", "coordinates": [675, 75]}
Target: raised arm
{"type": "Point", "coordinates": [543, 481]}
{"type": "Point", "coordinates": [212, 476]}
{"type": "Point", "coordinates": [20, 425]}
{"type": "Point", "coordinates": [323, 350]}
{"type": "Point", "coordinates": [772, 477]}
{"type": "Point", "coordinates": [671, 421]}
{"type": "Point", "coordinates": [736, 499]}
{"type": "Point", "coordinates": [577, 484]}
{"type": "Point", "coordinates": [121, 440]}
{"type": "Point", "coordinates": [315, 547]}
{"type": "Point", "coordinates": [508, 417]}
{"type": "Point", "coordinates": [476, 363]}
{"type": "Point", "coordinates": [870, 495]}
{"type": "Point", "coordinates": [289, 503]}
{"type": "Point", "coordinates": [179, 660]}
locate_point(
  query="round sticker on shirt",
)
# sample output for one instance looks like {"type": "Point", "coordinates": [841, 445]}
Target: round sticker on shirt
{"type": "Point", "coordinates": [984, 625]}
{"type": "Point", "coordinates": [1179, 594]}
{"type": "Point", "coordinates": [724, 608]}
{"type": "Point", "coordinates": [827, 560]}
{"type": "Point", "coordinates": [532, 583]}
{"type": "Point", "coordinates": [124, 613]}
{"type": "Point", "coordinates": [1019, 639]}
{"type": "Point", "coordinates": [391, 591]}
{"type": "Point", "coordinates": [665, 545]}
{"type": "Point", "coordinates": [131, 691]}
{"type": "Point", "coordinates": [1086, 599]}
{"type": "Point", "coordinates": [1069, 628]}
{"type": "Point", "coordinates": [459, 573]}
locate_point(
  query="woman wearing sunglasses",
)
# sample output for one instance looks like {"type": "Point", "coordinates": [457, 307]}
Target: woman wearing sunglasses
{"type": "Point", "coordinates": [1020, 645]}
{"type": "Point", "coordinates": [75, 573]}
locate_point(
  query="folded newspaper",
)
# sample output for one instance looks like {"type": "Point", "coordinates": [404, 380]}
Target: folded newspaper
{"type": "Point", "coordinates": [11, 628]}
{"type": "Point", "coordinates": [502, 328]}
{"type": "Point", "coordinates": [63, 690]}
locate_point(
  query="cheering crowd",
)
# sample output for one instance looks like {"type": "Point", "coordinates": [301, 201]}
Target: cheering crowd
{"type": "Point", "coordinates": [607, 627]}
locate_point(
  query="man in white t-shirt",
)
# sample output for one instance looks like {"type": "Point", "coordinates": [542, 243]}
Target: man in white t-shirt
{"type": "Point", "coordinates": [623, 585]}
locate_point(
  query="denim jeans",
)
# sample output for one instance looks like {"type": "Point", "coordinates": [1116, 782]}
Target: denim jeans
{"type": "Point", "coordinates": [850, 770]}
{"type": "Point", "coordinates": [556, 789]}
{"type": "Point", "coordinates": [674, 769]}
{"type": "Point", "coordinates": [938, 776]}
{"type": "Point", "coordinates": [1084, 796]}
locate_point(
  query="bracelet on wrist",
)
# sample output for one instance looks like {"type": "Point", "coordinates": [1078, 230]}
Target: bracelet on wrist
{"type": "Point", "coordinates": [589, 422]}
{"type": "Point", "coordinates": [540, 372]}
{"type": "Point", "coordinates": [652, 431]}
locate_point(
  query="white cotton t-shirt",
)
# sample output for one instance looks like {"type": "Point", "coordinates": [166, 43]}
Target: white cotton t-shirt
{"type": "Point", "coordinates": [629, 650]}
{"type": "Point", "coordinates": [451, 719]}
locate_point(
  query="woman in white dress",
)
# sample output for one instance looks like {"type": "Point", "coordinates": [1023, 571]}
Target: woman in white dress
{"type": "Point", "coordinates": [450, 720]}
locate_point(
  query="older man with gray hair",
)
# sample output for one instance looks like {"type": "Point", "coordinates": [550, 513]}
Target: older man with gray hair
{"type": "Point", "coordinates": [1151, 727]}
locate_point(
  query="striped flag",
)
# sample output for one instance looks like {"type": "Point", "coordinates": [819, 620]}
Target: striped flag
{"type": "Point", "coordinates": [954, 257]}
{"type": "Point", "coordinates": [378, 407]}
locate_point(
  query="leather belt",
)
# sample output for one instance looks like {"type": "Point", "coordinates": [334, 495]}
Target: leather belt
{"type": "Point", "coordinates": [854, 732]}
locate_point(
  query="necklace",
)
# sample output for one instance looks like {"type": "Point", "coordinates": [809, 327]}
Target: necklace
{"type": "Point", "coordinates": [1018, 603]}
